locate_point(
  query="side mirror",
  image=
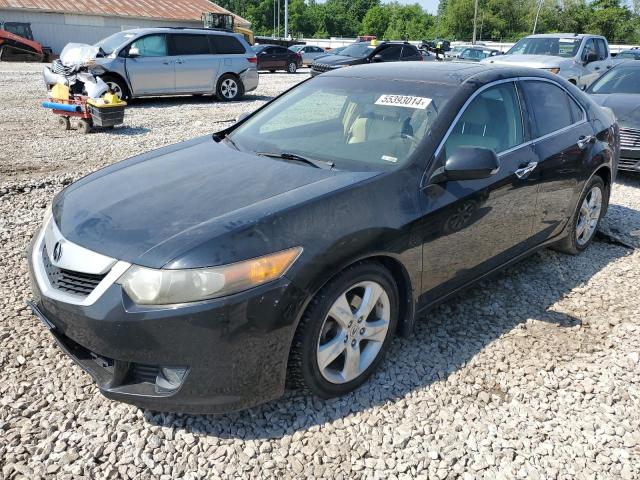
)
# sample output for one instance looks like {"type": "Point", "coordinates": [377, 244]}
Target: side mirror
{"type": "Point", "coordinates": [133, 52]}
{"type": "Point", "coordinates": [468, 163]}
{"type": "Point", "coordinates": [377, 58]}
{"type": "Point", "coordinates": [242, 116]}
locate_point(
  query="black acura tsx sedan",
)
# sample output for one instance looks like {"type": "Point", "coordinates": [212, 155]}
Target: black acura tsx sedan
{"type": "Point", "coordinates": [290, 248]}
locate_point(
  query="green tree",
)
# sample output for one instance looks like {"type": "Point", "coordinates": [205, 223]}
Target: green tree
{"type": "Point", "coordinates": [375, 21]}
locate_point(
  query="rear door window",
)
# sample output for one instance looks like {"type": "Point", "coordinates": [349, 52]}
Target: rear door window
{"type": "Point", "coordinates": [408, 52]}
{"type": "Point", "coordinates": [391, 53]}
{"type": "Point", "coordinates": [189, 44]}
{"type": "Point", "coordinates": [550, 106]}
{"type": "Point", "coordinates": [226, 44]}
{"type": "Point", "coordinates": [149, 46]}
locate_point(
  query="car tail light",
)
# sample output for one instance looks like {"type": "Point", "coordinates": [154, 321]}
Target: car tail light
{"type": "Point", "coordinates": [253, 59]}
{"type": "Point", "coordinates": [299, 55]}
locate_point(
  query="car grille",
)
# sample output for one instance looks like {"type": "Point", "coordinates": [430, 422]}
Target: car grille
{"type": "Point", "coordinates": [321, 67]}
{"type": "Point", "coordinates": [144, 373]}
{"type": "Point", "coordinates": [77, 283]}
{"type": "Point", "coordinates": [630, 138]}
{"type": "Point", "coordinates": [628, 163]}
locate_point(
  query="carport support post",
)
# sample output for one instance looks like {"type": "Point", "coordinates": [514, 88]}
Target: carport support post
{"type": "Point", "coordinates": [286, 18]}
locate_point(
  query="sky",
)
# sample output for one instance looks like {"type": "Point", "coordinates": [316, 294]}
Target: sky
{"type": "Point", "coordinates": [430, 6]}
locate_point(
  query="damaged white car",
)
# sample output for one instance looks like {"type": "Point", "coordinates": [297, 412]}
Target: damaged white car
{"type": "Point", "coordinates": [160, 61]}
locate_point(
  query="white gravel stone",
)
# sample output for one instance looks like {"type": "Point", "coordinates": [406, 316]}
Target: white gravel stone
{"type": "Point", "coordinates": [533, 374]}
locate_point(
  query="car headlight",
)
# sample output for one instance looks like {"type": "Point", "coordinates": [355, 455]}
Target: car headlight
{"type": "Point", "coordinates": [149, 286]}
{"type": "Point", "coordinates": [552, 70]}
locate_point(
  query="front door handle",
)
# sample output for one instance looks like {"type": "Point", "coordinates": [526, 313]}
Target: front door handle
{"type": "Point", "coordinates": [179, 62]}
{"type": "Point", "coordinates": [585, 140]}
{"type": "Point", "coordinates": [524, 171]}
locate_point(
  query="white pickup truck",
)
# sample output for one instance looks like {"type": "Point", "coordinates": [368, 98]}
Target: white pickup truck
{"type": "Point", "coordinates": [580, 58]}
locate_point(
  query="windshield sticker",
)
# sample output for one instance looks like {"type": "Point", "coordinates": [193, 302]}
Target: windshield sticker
{"type": "Point", "coordinates": [404, 101]}
{"type": "Point", "coordinates": [389, 158]}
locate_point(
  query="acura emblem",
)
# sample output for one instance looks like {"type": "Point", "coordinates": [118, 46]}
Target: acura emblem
{"type": "Point", "coordinates": [57, 251]}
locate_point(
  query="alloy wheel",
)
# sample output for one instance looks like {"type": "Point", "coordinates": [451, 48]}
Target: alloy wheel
{"type": "Point", "coordinates": [292, 68]}
{"type": "Point", "coordinates": [115, 88]}
{"type": "Point", "coordinates": [229, 88]}
{"type": "Point", "coordinates": [588, 216]}
{"type": "Point", "coordinates": [353, 332]}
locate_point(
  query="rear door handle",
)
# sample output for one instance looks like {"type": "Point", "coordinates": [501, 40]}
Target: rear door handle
{"type": "Point", "coordinates": [524, 171]}
{"type": "Point", "coordinates": [179, 62]}
{"type": "Point", "coordinates": [583, 141]}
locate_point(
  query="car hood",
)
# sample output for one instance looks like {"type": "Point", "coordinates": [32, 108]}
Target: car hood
{"type": "Point", "coordinates": [339, 60]}
{"type": "Point", "coordinates": [626, 107]}
{"type": "Point", "coordinates": [533, 61]}
{"type": "Point", "coordinates": [151, 209]}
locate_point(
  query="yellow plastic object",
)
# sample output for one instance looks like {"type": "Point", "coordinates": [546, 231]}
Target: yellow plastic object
{"type": "Point", "coordinates": [60, 92]}
{"type": "Point", "coordinates": [108, 100]}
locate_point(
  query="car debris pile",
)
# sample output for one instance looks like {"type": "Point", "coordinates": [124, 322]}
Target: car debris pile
{"type": "Point", "coordinates": [77, 91]}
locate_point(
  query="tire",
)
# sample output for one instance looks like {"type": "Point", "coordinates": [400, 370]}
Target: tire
{"type": "Point", "coordinates": [229, 88]}
{"type": "Point", "coordinates": [292, 67]}
{"type": "Point", "coordinates": [117, 86]}
{"type": "Point", "coordinates": [585, 219]}
{"type": "Point", "coordinates": [64, 123]}
{"type": "Point", "coordinates": [272, 71]}
{"type": "Point", "coordinates": [343, 338]}
{"type": "Point", "coordinates": [84, 126]}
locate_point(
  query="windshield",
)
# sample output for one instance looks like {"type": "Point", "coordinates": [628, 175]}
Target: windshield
{"type": "Point", "coordinates": [618, 80]}
{"type": "Point", "coordinates": [111, 43]}
{"type": "Point", "coordinates": [558, 47]}
{"type": "Point", "coordinates": [258, 48]}
{"type": "Point", "coordinates": [358, 50]}
{"type": "Point", "coordinates": [354, 124]}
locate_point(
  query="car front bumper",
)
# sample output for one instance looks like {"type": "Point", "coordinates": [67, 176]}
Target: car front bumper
{"type": "Point", "coordinates": [234, 349]}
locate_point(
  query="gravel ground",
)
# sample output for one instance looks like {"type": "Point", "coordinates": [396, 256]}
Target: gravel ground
{"type": "Point", "coordinates": [535, 374]}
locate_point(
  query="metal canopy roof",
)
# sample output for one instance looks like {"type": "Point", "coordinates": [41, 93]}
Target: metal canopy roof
{"type": "Point", "coordinates": [184, 10]}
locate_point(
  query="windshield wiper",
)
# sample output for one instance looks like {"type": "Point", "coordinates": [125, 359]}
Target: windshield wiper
{"type": "Point", "coordinates": [230, 140]}
{"type": "Point", "coordinates": [293, 157]}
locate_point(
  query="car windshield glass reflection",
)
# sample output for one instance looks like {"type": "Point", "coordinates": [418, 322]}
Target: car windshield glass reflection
{"type": "Point", "coordinates": [358, 50]}
{"type": "Point", "coordinates": [619, 80]}
{"type": "Point", "coordinates": [112, 42]}
{"type": "Point", "coordinates": [353, 124]}
{"type": "Point", "coordinates": [559, 47]}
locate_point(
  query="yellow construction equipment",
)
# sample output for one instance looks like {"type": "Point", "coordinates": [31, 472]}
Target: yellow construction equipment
{"type": "Point", "coordinates": [226, 22]}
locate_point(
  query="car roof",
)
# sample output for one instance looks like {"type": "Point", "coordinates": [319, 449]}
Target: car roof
{"type": "Point", "coordinates": [452, 73]}
{"type": "Point", "coordinates": [143, 31]}
{"type": "Point", "coordinates": [563, 35]}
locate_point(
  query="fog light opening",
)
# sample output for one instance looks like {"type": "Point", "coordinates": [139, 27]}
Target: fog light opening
{"type": "Point", "coordinates": [170, 378]}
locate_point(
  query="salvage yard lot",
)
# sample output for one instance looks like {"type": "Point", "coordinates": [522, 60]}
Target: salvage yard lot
{"type": "Point", "coordinates": [532, 374]}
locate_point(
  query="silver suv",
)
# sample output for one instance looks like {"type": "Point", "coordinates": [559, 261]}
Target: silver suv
{"type": "Point", "coordinates": [177, 61]}
{"type": "Point", "coordinates": [578, 58]}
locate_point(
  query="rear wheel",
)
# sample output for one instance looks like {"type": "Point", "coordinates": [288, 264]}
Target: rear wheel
{"type": "Point", "coordinates": [229, 88]}
{"type": "Point", "coordinates": [584, 222]}
{"type": "Point", "coordinates": [292, 67]}
{"type": "Point", "coordinates": [84, 126]}
{"type": "Point", "coordinates": [345, 331]}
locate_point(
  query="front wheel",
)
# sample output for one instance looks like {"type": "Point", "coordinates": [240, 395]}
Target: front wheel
{"type": "Point", "coordinates": [345, 331]}
{"type": "Point", "coordinates": [117, 87]}
{"type": "Point", "coordinates": [292, 67]}
{"type": "Point", "coordinates": [584, 222]}
{"type": "Point", "coordinates": [229, 88]}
